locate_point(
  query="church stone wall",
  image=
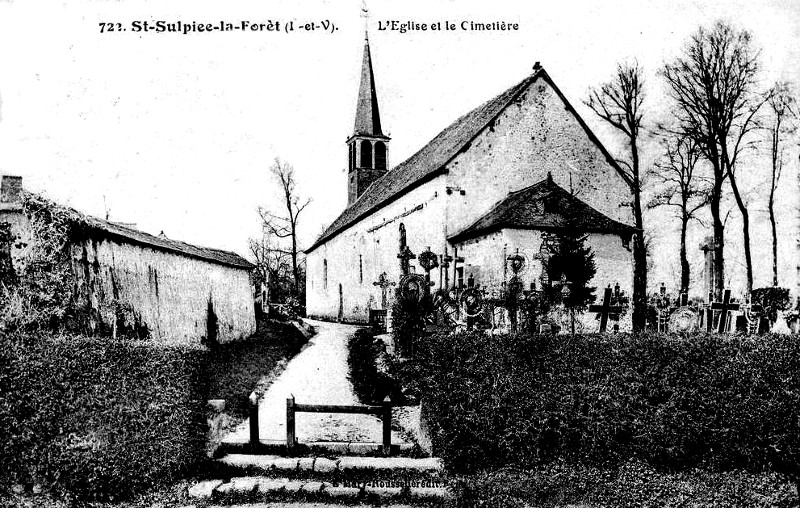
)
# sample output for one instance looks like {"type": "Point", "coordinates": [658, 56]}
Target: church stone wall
{"type": "Point", "coordinates": [356, 257]}
{"type": "Point", "coordinates": [531, 137]}
{"type": "Point", "coordinates": [168, 293]}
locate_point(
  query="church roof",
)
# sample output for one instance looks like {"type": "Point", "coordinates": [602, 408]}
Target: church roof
{"type": "Point", "coordinates": [432, 158]}
{"type": "Point", "coordinates": [542, 206]}
{"type": "Point", "coordinates": [368, 118]}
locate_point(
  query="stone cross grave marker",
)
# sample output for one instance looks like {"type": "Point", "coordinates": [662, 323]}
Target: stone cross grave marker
{"type": "Point", "coordinates": [605, 309]}
{"type": "Point", "coordinates": [725, 306]}
{"type": "Point", "coordinates": [384, 283]}
{"type": "Point", "coordinates": [708, 313]}
{"type": "Point", "coordinates": [428, 261]}
{"type": "Point", "coordinates": [444, 264]}
{"type": "Point", "coordinates": [405, 255]}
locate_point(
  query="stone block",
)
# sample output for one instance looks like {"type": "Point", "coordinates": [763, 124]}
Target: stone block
{"type": "Point", "coordinates": [323, 465]}
{"type": "Point", "coordinates": [313, 487]}
{"type": "Point", "coordinates": [204, 489]}
{"type": "Point", "coordinates": [390, 463]}
{"type": "Point", "coordinates": [272, 485]}
{"type": "Point", "coordinates": [382, 492]}
{"type": "Point", "coordinates": [305, 464]}
{"type": "Point", "coordinates": [342, 492]}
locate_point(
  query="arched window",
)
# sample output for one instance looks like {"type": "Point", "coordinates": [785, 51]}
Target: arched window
{"type": "Point", "coordinates": [366, 154]}
{"type": "Point", "coordinates": [380, 155]}
{"type": "Point", "coordinates": [352, 160]}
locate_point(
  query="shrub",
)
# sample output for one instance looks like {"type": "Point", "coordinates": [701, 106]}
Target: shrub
{"type": "Point", "coordinates": [772, 300]}
{"type": "Point", "coordinates": [369, 384]}
{"type": "Point", "coordinates": [408, 321]}
{"type": "Point", "coordinates": [96, 418]}
{"type": "Point", "coordinates": [714, 402]}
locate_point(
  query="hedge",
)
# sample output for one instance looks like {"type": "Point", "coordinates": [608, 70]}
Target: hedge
{"type": "Point", "coordinates": [369, 384]}
{"type": "Point", "coordinates": [674, 403]}
{"type": "Point", "coordinates": [96, 418]}
{"type": "Point", "coordinates": [632, 485]}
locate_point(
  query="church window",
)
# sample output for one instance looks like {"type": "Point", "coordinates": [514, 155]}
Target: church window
{"type": "Point", "coordinates": [352, 157]}
{"type": "Point", "coordinates": [366, 154]}
{"type": "Point", "coordinates": [380, 155]}
{"type": "Point", "coordinates": [360, 269]}
{"type": "Point", "coordinates": [325, 274]}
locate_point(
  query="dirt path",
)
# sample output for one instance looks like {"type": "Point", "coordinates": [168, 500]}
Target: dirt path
{"type": "Point", "coordinates": [318, 375]}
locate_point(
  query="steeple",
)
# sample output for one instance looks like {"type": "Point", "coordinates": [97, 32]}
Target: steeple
{"type": "Point", "coordinates": [368, 118]}
{"type": "Point", "coordinates": [367, 146]}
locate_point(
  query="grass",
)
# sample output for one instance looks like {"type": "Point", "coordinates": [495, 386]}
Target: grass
{"type": "Point", "coordinates": [237, 366]}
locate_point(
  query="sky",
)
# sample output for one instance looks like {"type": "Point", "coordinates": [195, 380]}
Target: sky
{"type": "Point", "coordinates": [176, 133]}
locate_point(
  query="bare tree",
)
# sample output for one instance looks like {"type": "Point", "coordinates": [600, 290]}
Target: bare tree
{"type": "Point", "coordinates": [619, 103]}
{"type": "Point", "coordinates": [713, 85]}
{"type": "Point", "coordinates": [682, 188]}
{"type": "Point", "coordinates": [273, 264]}
{"type": "Point", "coordinates": [284, 225]}
{"type": "Point", "coordinates": [782, 124]}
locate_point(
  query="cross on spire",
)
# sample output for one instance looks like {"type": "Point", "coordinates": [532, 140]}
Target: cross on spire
{"type": "Point", "coordinates": [365, 15]}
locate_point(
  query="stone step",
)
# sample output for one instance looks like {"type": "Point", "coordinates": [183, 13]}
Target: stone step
{"type": "Point", "coordinates": [278, 447]}
{"type": "Point", "coordinates": [262, 489]}
{"type": "Point", "coordinates": [402, 465]}
{"type": "Point", "coordinates": [301, 504]}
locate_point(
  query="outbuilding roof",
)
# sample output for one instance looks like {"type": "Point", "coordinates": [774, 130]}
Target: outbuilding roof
{"type": "Point", "coordinates": [432, 158]}
{"type": "Point", "coordinates": [542, 206]}
{"type": "Point", "coordinates": [94, 226]}
{"type": "Point", "coordinates": [129, 235]}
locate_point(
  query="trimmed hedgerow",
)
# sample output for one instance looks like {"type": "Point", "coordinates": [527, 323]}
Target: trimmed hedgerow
{"type": "Point", "coordinates": [674, 403]}
{"type": "Point", "coordinates": [96, 418]}
{"type": "Point", "coordinates": [633, 484]}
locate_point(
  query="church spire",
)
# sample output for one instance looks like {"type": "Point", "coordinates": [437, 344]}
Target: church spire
{"type": "Point", "coordinates": [368, 118]}
{"type": "Point", "coordinates": [367, 147]}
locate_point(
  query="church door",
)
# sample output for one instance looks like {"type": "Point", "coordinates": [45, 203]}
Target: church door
{"type": "Point", "coordinates": [341, 305]}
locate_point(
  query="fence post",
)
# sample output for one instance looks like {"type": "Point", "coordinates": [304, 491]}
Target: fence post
{"type": "Point", "coordinates": [253, 422]}
{"type": "Point", "coordinates": [290, 439]}
{"type": "Point", "coordinates": [387, 426]}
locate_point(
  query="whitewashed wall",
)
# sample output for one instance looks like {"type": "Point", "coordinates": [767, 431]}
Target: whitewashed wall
{"type": "Point", "coordinates": [533, 136]}
{"type": "Point", "coordinates": [375, 240]}
{"type": "Point", "coordinates": [168, 292]}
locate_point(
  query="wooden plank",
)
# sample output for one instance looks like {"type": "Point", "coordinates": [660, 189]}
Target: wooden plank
{"type": "Point", "coordinates": [290, 435]}
{"type": "Point", "coordinates": [254, 439]}
{"type": "Point", "coordinates": [324, 408]}
{"type": "Point", "coordinates": [387, 426]}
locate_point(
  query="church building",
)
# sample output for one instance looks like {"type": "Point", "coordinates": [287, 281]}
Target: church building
{"type": "Point", "coordinates": [494, 183]}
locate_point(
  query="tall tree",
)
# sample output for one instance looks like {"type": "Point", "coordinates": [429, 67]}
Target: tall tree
{"type": "Point", "coordinates": [619, 103]}
{"type": "Point", "coordinates": [284, 225]}
{"type": "Point", "coordinates": [782, 124]}
{"type": "Point", "coordinates": [571, 261]}
{"type": "Point", "coordinates": [713, 85]}
{"type": "Point", "coordinates": [682, 188]}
